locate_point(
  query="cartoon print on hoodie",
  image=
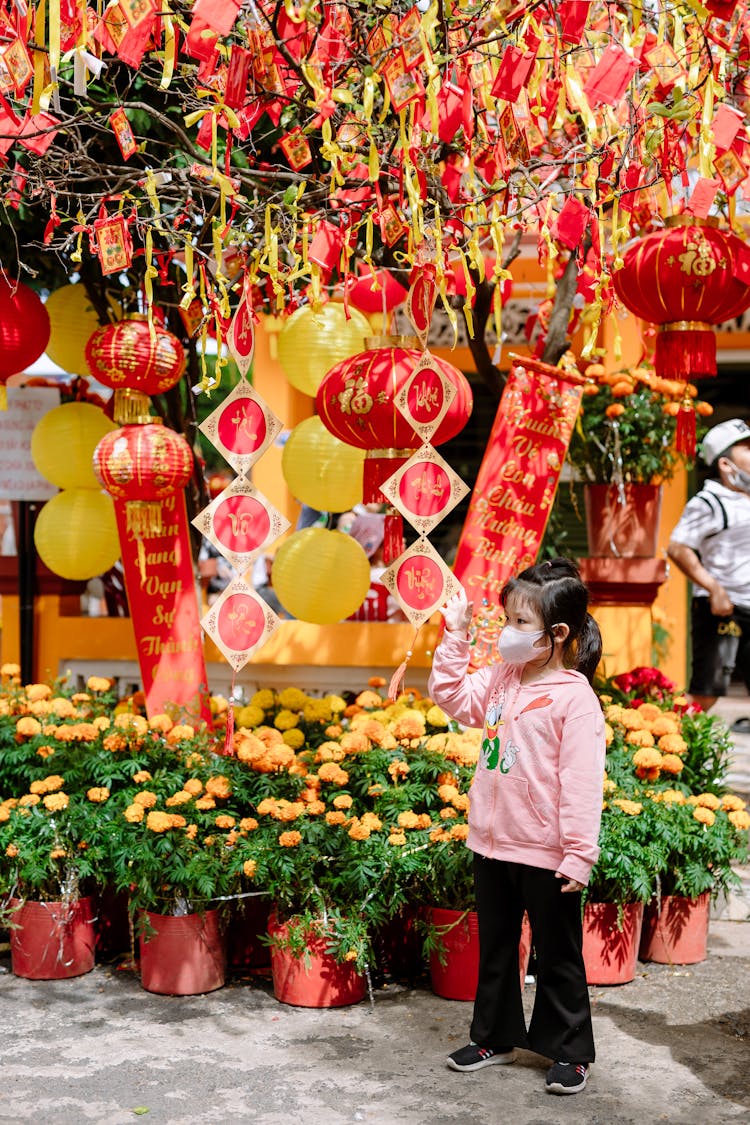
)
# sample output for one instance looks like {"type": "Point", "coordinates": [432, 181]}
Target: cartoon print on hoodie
{"type": "Point", "coordinates": [493, 722]}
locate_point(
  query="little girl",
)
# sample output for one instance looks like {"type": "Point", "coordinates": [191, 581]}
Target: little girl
{"type": "Point", "coordinates": [534, 813]}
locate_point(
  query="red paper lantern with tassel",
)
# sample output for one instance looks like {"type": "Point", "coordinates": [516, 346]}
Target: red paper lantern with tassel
{"type": "Point", "coordinates": [356, 403]}
{"type": "Point", "coordinates": [24, 329]}
{"type": "Point", "coordinates": [136, 362]}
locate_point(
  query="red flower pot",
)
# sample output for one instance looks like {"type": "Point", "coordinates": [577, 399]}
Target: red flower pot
{"type": "Point", "coordinates": [316, 980]}
{"type": "Point", "coordinates": [623, 524]}
{"type": "Point", "coordinates": [676, 933]}
{"type": "Point", "coordinates": [248, 920]}
{"type": "Point", "coordinates": [184, 955]}
{"type": "Point", "coordinates": [455, 974]}
{"type": "Point", "coordinates": [610, 952]}
{"type": "Point", "coordinates": [52, 940]}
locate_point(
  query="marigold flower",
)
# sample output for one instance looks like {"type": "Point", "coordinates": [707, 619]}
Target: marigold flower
{"type": "Point", "coordinates": [368, 700]}
{"type": "Point", "coordinates": [285, 720]}
{"type": "Point", "coordinates": [248, 824]}
{"type": "Point", "coordinates": [358, 830]}
{"type": "Point", "coordinates": [98, 795]}
{"type": "Point", "coordinates": [292, 699]}
{"type": "Point", "coordinates": [209, 841]}
{"type": "Point", "coordinates": [355, 742]}
{"type": "Point", "coordinates": [436, 717]}
{"type": "Point", "coordinates": [665, 725]}
{"type": "Point", "coordinates": [672, 763]}
{"type": "Point", "coordinates": [671, 797]}
{"type": "Point", "coordinates": [159, 821]}
{"type": "Point", "coordinates": [739, 818]}
{"type": "Point", "coordinates": [193, 785]}
{"type": "Point", "coordinates": [409, 726]}
{"type": "Point", "coordinates": [29, 800]}
{"type": "Point", "coordinates": [225, 821]}
{"type": "Point", "coordinates": [316, 808]}
{"type": "Point", "coordinates": [329, 771]}
{"type": "Point", "coordinates": [265, 699]}
{"type": "Point", "coordinates": [28, 727]}
{"type": "Point", "coordinates": [642, 737]}
{"type": "Point", "coordinates": [11, 851]}
{"type": "Point", "coordinates": [408, 819]}
{"type": "Point", "coordinates": [218, 786]}
{"type": "Point", "coordinates": [399, 768]}
{"type": "Point", "coordinates": [141, 777]}
{"type": "Point", "coordinates": [334, 731]}
{"type": "Point", "coordinates": [269, 736]}
{"type": "Point", "coordinates": [336, 817]}
{"type": "Point", "coordinates": [371, 821]}
{"type": "Point", "coordinates": [459, 832]}
{"type": "Point", "coordinates": [730, 802]}
{"type": "Point", "coordinates": [10, 670]}
{"type": "Point", "coordinates": [290, 839]}
{"type": "Point", "coordinates": [45, 751]}
{"type": "Point", "coordinates": [181, 797]}
{"type": "Point", "coordinates": [672, 744]}
{"type": "Point", "coordinates": [191, 831]}
{"type": "Point", "coordinates": [98, 684]}
{"type": "Point", "coordinates": [705, 816]}
{"type": "Point", "coordinates": [376, 682]}
{"type": "Point", "coordinates": [44, 707]}
{"type": "Point", "coordinates": [249, 717]}
{"type": "Point", "coordinates": [56, 802]}
{"type": "Point", "coordinates": [647, 758]}
{"type": "Point", "coordinates": [145, 798]}
{"type": "Point", "coordinates": [134, 814]}
{"type": "Point", "coordinates": [249, 867]}
{"type": "Point", "coordinates": [176, 820]}
{"type": "Point", "coordinates": [204, 803]}
{"type": "Point", "coordinates": [161, 723]}
{"type": "Point", "coordinates": [397, 839]}
{"type": "Point", "coordinates": [447, 792]}
{"type": "Point", "coordinates": [58, 853]}
{"type": "Point", "coordinates": [614, 712]}
{"type": "Point", "coordinates": [180, 732]}
{"type": "Point", "coordinates": [705, 800]}
{"type": "Point", "coordinates": [631, 808]}
{"type": "Point", "coordinates": [342, 801]}
{"type": "Point", "coordinates": [63, 708]}
{"type": "Point", "coordinates": [439, 836]}
{"type": "Point", "coordinates": [375, 790]}
{"type": "Point", "coordinates": [37, 691]}
{"type": "Point", "coordinates": [448, 813]}
{"type": "Point", "coordinates": [294, 738]}
{"type": "Point", "coordinates": [132, 724]}
{"type": "Point", "coordinates": [609, 735]}
{"type": "Point", "coordinates": [650, 712]}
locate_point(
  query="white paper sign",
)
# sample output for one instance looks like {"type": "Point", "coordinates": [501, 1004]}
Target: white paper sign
{"type": "Point", "coordinates": [19, 479]}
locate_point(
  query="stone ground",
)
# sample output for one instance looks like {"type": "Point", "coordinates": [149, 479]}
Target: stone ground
{"type": "Point", "coordinates": [673, 1046]}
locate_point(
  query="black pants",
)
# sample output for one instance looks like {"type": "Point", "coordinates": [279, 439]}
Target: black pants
{"type": "Point", "coordinates": [560, 1025]}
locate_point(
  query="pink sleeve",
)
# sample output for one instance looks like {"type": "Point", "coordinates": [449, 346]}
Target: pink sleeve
{"type": "Point", "coordinates": [582, 753]}
{"type": "Point", "coordinates": [462, 696]}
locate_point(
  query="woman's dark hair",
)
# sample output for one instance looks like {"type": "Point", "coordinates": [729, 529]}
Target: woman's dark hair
{"type": "Point", "coordinates": [556, 591]}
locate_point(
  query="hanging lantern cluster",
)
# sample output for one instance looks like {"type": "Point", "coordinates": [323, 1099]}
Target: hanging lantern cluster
{"type": "Point", "coordinates": [137, 360]}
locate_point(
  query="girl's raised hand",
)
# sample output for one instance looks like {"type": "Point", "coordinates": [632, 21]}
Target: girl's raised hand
{"type": "Point", "coordinates": [457, 612]}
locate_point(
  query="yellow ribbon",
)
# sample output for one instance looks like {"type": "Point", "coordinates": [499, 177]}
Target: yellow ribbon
{"type": "Point", "coordinates": [170, 46]}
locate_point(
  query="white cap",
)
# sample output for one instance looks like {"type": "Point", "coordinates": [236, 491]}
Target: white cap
{"type": "Point", "coordinates": [722, 437]}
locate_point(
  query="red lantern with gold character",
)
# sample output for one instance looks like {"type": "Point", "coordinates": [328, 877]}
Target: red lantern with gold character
{"type": "Point", "coordinates": [137, 360]}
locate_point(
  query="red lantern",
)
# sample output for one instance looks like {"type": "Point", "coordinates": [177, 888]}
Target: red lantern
{"type": "Point", "coordinates": [24, 328]}
{"type": "Point", "coordinates": [136, 362]}
{"type": "Point", "coordinates": [356, 403]}
{"type": "Point", "coordinates": [685, 279]}
{"type": "Point", "coordinates": [143, 465]}
{"type": "Point", "coordinates": [363, 294]}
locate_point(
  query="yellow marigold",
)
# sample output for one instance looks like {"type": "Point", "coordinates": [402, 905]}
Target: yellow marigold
{"type": "Point", "coordinates": [56, 802]}
{"type": "Point", "coordinates": [285, 720]}
{"type": "Point", "coordinates": [355, 742]}
{"type": "Point", "coordinates": [650, 712]}
{"type": "Point", "coordinates": [98, 795]}
{"type": "Point", "coordinates": [102, 722]}
{"type": "Point", "coordinates": [705, 800]}
{"type": "Point", "coordinates": [191, 831]}
{"type": "Point", "coordinates": [29, 800]}
{"type": "Point", "coordinates": [672, 744]}
{"type": "Point", "coordinates": [609, 786]}
{"type": "Point", "coordinates": [248, 824]}
{"type": "Point", "coordinates": [265, 699]}
{"type": "Point", "coordinates": [159, 821]}
{"type": "Point", "coordinates": [290, 839]}
{"type": "Point", "coordinates": [249, 867]}
{"type": "Point", "coordinates": [398, 769]}
{"type": "Point", "coordinates": [336, 703]}
{"type": "Point", "coordinates": [193, 785]}
{"type": "Point", "coordinates": [397, 839]}
{"type": "Point", "coordinates": [448, 813]}
{"type": "Point", "coordinates": [408, 819]}
{"type": "Point", "coordinates": [161, 723]}
{"type": "Point", "coordinates": [705, 816]}
{"type": "Point", "coordinates": [225, 821]}
{"type": "Point", "coordinates": [133, 724]}
{"type": "Point", "coordinates": [134, 813]}
{"type": "Point", "coordinates": [641, 737]}
{"type": "Point", "coordinates": [739, 818]}
{"type": "Point", "coordinates": [436, 716]}
{"type": "Point", "coordinates": [317, 711]}
{"type": "Point", "coordinates": [181, 797]}
{"type": "Point", "coordinates": [292, 699]}
{"type": "Point", "coordinates": [145, 798]}
{"type": "Point", "coordinates": [730, 802]}
{"type": "Point", "coordinates": [204, 803]}
{"type": "Point", "coordinates": [359, 831]}
{"type": "Point", "coordinates": [329, 771]}
{"type": "Point", "coordinates": [671, 763]}
{"type": "Point", "coordinates": [28, 727]}
{"type": "Point", "coordinates": [459, 832]}
{"type": "Point", "coordinates": [37, 691]}
{"type": "Point", "coordinates": [665, 724]}
{"type": "Point", "coordinates": [249, 717]}
{"type": "Point", "coordinates": [45, 751]}
{"type": "Point", "coordinates": [141, 777]}
{"type": "Point", "coordinates": [294, 738]}
{"type": "Point", "coordinates": [336, 818]}
{"type": "Point", "coordinates": [11, 851]}
{"type": "Point", "coordinates": [58, 853]}
{"type": "Point", "coordinates": [98, 684]}
{"type": "Point", "coordinates": [632, 808]}
{"type": "Point", "coordinates": [218, 786]}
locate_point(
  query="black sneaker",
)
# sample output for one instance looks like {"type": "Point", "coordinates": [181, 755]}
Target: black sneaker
{"type": "Point", "coordinates": [473, 1057]}
{"type": "Point", "coordinates": [566, 1078]}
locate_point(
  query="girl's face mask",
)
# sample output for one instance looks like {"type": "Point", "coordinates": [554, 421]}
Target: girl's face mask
{"type": "Point", "coordinates": [518, 647]}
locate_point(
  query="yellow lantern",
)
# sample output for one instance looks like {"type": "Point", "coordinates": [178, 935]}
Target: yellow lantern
{"type": "Point", "coordinates": [320, 576]}
{"type": "Point", "coordinates": [76, 534]}
{"type": "Point", "coordinates": [63, 444]}
{"type": "Point", "coordinates": [73, 320]}
{"type": "Point", "coordinates": [321, 470]}
{"type": "Point", "coordinates": [312, 341]}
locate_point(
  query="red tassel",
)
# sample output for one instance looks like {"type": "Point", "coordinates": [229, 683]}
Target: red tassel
{"type": "Point", "coordinates": [393, 540]}
{"type": "Point", "coordinates": [229, 733]}
{"type": "Point", "coordinates": [379, 465]}
{"type": "Point", "coordinates": [397, 679]}
{"type": "Point", "coordinates": [684, 438]}
{"type": "Point", "coordinates": [685, 352]}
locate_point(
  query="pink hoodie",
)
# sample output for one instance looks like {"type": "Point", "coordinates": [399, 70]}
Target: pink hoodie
{"type": "Point", "coordinates": [536, 797]}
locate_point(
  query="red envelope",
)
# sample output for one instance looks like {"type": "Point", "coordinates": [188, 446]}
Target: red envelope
{"type": "Point", "coordinates": [238, 73]}
{"type": "Point", "coordinates": [217, 14]}
{"type": "Point", "coordinates": [609, 78]}
{"type": "Point", "coordinates": [725, 126]}
{"type": "Point", "coordinates": [741, 262]}
{"type": "Point", "coordinates": [570, 225]}
{"type": "Point", "coordinates": [450, 111]}
{"type": "Point", "coordinates": [325, 248]}
{"type": "Point", "coordinates": [515, 68]}
{"type": "Point", "coordinates": [702, 197]}
{"type": "Point", "coordinates": [573, 16]}
{"type": "Point", "coordinates": [31, 136]}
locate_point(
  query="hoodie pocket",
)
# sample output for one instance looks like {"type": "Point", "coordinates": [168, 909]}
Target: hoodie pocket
{"type": "Point", "coordinates": [502, 809]}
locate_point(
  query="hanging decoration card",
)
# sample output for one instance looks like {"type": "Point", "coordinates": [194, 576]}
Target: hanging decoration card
{"type": "Point", "coordinates": [241, 337]}
{"type": "Point", "coordinates": [425, 489]}
{"type": "Point", "coordinates": [240, 523]}
{"type": "Point", "coordinates": [239, 622]}
{"type": "Point", "coordinates": [426, 397]}
{"type": "Point", "coordinates": [420, 581]}
{"type": "Point", "coordinates": [242, 427]}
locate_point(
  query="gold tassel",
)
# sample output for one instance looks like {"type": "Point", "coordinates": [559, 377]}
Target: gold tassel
{"type": "Point", "coordinates": [131, 407]}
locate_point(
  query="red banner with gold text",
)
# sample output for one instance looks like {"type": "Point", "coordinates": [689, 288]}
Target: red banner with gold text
{"type": "Point", "coordinates": [164, 608]}
{"type": "Point", "coordinates": [515, 487]}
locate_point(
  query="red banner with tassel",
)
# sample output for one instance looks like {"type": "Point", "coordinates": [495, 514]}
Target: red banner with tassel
{"type": "Point", "coordinates": [513, 494]}
{"type": "Point", "coordinates": [163, 603]}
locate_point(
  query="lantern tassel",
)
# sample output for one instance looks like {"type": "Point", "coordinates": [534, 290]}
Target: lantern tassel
{"type": "Point", "coordinates": [397, 679]}
{"type": "Point", "coordinates": [131, 407]}
{"type": "Point", "coordinates": [229, 734]}
{"type": "Point", "coordinates": [393, 540]}
{"type": "Point", "coordinates": [3, 397]}
{"type": "Point", "coordinates": [685, 349]}
{"type": "Point", "coordinates": [685, 430]}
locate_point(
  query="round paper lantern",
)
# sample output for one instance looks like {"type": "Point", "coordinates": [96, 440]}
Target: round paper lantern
{"type": "Point", "coordinates": [76, 534]}
{"type": "Point", "coordinates": [320, 576]}
{"type": "Point", "coordinates": [24, 327]}
{"type": "Point", "coordinates": [312, 341]}
{"type": "Point", "coordinates": [320, 470]}
{"type": "Point", "coordinates": [356, 402]}
{"type": "Point", "coordinates": [386, 298]}
{"type": "Point", "coordinates": [73, 321]}
{"type": "Point", "coordinates": [143, 465]}
{"type": "Point", "coordinates": [136, 363]}
{"type": "Point", "coordinates": [63, 444]}
{"type": "Point", "coordinates": [684, 279]}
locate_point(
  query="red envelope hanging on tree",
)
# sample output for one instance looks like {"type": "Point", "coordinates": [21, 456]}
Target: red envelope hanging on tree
{"type": "Point", "coordinates": [725, 126]}
{"type": "Point", "coordinates": [515, 68]}
{"type": "Point", "coordinates": [239, 622]}
{"type": "Point", "coordinates": [609, 79]}
{"type": "Point", "coordinates": [38, 132]}
{"type": "Point", "coordinates": [241, 522]}
{"type": "Point", "coordinates": [325, 247]}
{"type": "Point", "coordinates": [219, 15]}
{"type": "Point", "coordinates": [570, 225]}
{"type": "Point", "coordinates": [573, 16]}
{"type": "Point", "coordinates": [242, 427]}
{"type": "Point", "coordinates": [425, 489]}
{"type": "Point", "coordinates": [420, 582]}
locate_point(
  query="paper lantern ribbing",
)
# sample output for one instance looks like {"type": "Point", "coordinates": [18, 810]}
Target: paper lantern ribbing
{"type": "Point", "coordinates": [136, 363]}
{"type": "Point", "coordinates": [76, 534]}
{"type": "Point", "coordinates": [24, 327]}
{"type": "Point", "coordinates": [684, 279]}
{"type": "Point", "coordinates": [73, 321]}
{"type": "Point", "coordinates": [320, 470]}
{"type": "Point", "coordinates": [321, 576]}
{"type": "Point", "coordinates": [63, 444]}
{"type": "Point", "coordinates": [356, 402]}
{"type": "Point", "coordinates": [311, 342]}
{"type": "Point", "coordinates": [143, 464]}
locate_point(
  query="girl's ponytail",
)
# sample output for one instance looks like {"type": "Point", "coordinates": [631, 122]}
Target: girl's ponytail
{"type": "Point", "coordinates": [588, 648]}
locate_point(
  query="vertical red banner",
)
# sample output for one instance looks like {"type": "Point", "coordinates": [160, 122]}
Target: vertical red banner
{"type": "Point", "coordinates": [164, 608]}
{"type": "Point", "coordinates": [515, 487]}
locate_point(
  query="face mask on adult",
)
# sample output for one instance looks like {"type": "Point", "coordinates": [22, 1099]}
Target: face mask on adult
{"type": "Point", "coordinates": [738, 478]}
{"type": "Point", "coordinates": [517, 647]}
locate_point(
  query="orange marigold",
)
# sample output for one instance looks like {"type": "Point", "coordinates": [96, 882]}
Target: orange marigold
{"type": "Point", "coordinates": [180, 732]}
{"type": "Point", "coordinates": [408, 819]}
{"type": "Point", "coordinates": [145, 798]}
{"type": "Point", "coordinates": [336, 817]}
{"type": "Point", "coordinates": [631, 719]}
{"type": "Point", "coordinates": [705, 816]}
{"type": "Point", "coordinates": [290, 839]}
{"type": "Point", "coordinates": [28, 727]}
{"type": "Point", "coordinates": [631, 808]}
{"type": "Point", "coordinates": [11, 851]}
{"type": "Point", "coordinates": [448, 813]}
{"type": "Point", "coordinates": [355, 742]}
{"type": "Point", "coordinates": [248, 824]}
{"type": "Point", "coordinates": [705, 800]}
{"type": "Point", "coordinates": [28, 800]}
{"type": "Point", "coordinates": [56, 802]}
{"type": "Point", "coordinates": [329, 771]}
{"type": "Point", "coordinates": [98, 684]}
{"type": "Point", "coordinates": [397, 839]}
{"type": "Point", "coordinates": [739, 818]}
{"type": "Point", "coordinates": [730, 802]}
{"type": "Point", "coordinates": [218, 786]}
{"type": "Point", "coordinates": [204, 803]}
{"type": "Point", "coordinates": [359, 831]}
{"type": "Point", "coordinates": [672, 744]}
{"type": "Point", "coordinates": [398, 769]}
{"type": "Point", "coordinates": [98, 795]}
{"type": "Point", "coordinates": [193, 785]}
{"type": "Point", "coordinates": [141, 777]}
{"type": "Point", "coordinates": [134, 813]}
{"type": "Point", "coordinates": [181, 797]}
{"type": "Point", "coordinates": [161, 723]}
{"type": "Point", "coordinates": [459, 832]}
{"type": "Point", "coordinates": [369, 699]}
{"type": "Point", "coordinates": [159, 821]}
{"type": "Point", "coordinates": [672, 763]}
{"type": "Point", "coordinates": [642, 737]}
{"type": "Point", "coordinates": [665, 724]}
{"type": "Point", "coordinates": [249, 867]}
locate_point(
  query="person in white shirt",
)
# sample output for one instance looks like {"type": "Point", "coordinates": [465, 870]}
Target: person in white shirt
{"type": "Point", "coordinates": [711, 546]}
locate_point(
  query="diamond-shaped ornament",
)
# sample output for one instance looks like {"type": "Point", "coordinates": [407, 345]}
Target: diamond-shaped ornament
{"type": "Point", "coordinates": [426, 397]}
{"type": "Point", "coordinates": [242, 427]}
{"type": "Point", "coordinates": [241, 337]}
{"type": "Point", "coordinates": [239, 622]}
{"type": "Point", "coordinates": [425, 489]}
{"type": "Point", "coordinates": [241, 522]}
{"type": "Point", "coordinates": [420, 581]}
